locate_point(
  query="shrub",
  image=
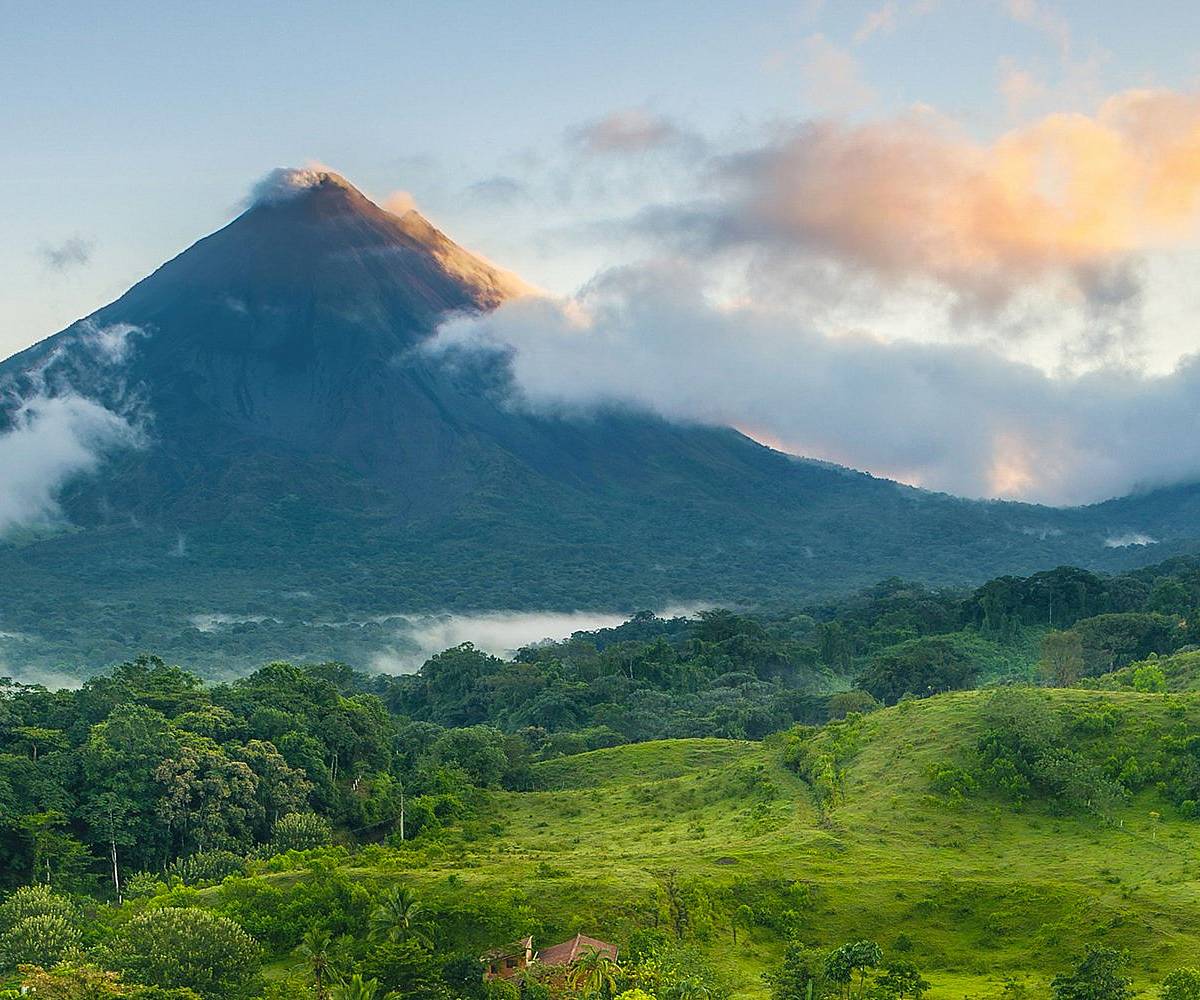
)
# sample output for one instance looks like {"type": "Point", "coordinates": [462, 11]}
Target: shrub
{"type": "Point", "coordinates": [1098, 976]}
{"type": "Point", "coordinates": [499, 989]}
{"type": "Point", "coordinates": [188, 948]}
{"type": "Point", "coordinates": [844, 702]}
{"type": "Point", "coordinates": [42, 939]}
{"type": "Point", "coordinates": [208, 867]}
{"type": "Point", "coordinates": [300, 832]}
{"type": "Point", "coordinates": [73, 982]}
{"type": "Point", "coordinates": [143, 885]}
{"type": "Point", "coordinates": [1149, 678]}
{"type": "Point", "coordinates": [1182, 984]}
{"type": "Point", "coordinates": [922, 667]}
{"type": "Point", "coordinates": [33, 901]}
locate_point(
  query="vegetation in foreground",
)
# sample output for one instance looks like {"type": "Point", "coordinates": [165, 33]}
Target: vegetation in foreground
{"type": "Point", "coordinates": [312, 832]}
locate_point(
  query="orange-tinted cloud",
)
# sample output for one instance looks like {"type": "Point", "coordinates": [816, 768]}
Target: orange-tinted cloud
{"type": "Point", "coordinates": [916, 198]}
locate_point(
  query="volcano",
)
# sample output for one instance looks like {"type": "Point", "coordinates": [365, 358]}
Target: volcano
{"type": "Point", "coordinates": [286, 455]}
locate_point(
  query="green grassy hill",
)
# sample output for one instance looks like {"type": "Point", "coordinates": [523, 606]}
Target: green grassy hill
{"type": "Point", "coordinates": [973, 892]}
{"type": "Point", "coordinates": [976, 890]}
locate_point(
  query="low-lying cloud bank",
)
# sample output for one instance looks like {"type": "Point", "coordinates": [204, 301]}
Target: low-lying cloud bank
{"type": "Point", "coordinates": [958, 418]}
{"type": "Point", "coordinates": [500, 633]}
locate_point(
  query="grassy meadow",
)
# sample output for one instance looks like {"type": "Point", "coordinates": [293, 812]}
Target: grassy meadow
{"type": "Point", "coordinates": [975, 892]}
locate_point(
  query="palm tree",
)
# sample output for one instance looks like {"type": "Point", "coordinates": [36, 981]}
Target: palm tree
{"type": "Point", "coordinates": [595, 973]}
{"type": "Point", "coordinates": [355, 988]}
{"type": "Point", "coordinates": [398, 917]}
{"type": "Point", "coordinates": [315, 949]}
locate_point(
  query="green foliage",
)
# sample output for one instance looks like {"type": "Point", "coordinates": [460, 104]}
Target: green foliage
{"type": "Point", "coordinates": [802, 970]}
{"type": "Point", "coordinates": [851, 959]}
{"type": "Point", "coordinates": [187, 948]}
{"type": "Point", "coordinates": [502, 989]}
{"type": "Point", "coordinates": [823, 756]}
{"type": "Point", "coordinates": [1098, 976]}
{"type": "Point", "coordinates": [675, 971]}
{"type": "Point", "coordinates": [37, 927]}
{"type": "Point", "coordinates": [76, 981]}
{"type": "Point", "coordinates": [1149, 678]}
{"type": "Point", "coordinates": [1027, 750]}
{"type": "Point", "coordinates": [207, 867]}
{"type": "Point", "coordinates": [900, 981]}
{"type": "Point", "coordinates": [406, 966]}
{"type": "Point", "coordinates": [1061, 663]}
{"type": "Point", "coordinates": [399, 916]}
{"type": "Point", "coordinates": [141, 885]}
{"type": "Point", "coordinates": [355, 988]}
{"type": "Point", "coordinates": [1182, 984]}
{"type": "Point", "coordinates": [324, 898]}
{"type": "Point", "coordinates": [42, 939]}
{"type": "Point", "coordinates": [300, 832]}
{"type": "Point", "coordinates": [920, 667]}
{"type": "Point", "coordinates": [35, 901]}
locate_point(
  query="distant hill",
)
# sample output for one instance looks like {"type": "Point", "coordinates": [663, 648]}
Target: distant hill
{"type": "Point", "coordinates": [303, 470]}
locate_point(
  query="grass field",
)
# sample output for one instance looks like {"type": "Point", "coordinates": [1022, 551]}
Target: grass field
{"type": "Point", "coordinates": [973, 893]}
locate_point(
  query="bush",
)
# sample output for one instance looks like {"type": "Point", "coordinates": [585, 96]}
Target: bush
{"type": "Point", "coordinates": [1149, 678]}
{"type": "Point", "coordinates": [499, 989]}
{"type": "Point", "coordinates": [1098, 976]}
{"type": "Point", "coordinates": [1182, 984]}
{"type": "Point", "coordinates": [43, 939]}
{"type": "Point", "coordinates": [188, 948]}
{"type": "Point", "coordinates": [143, 885]}
{"type": "Point", "coordinates": [844, 702]}
{"type": "Point", "coordinates": [74, 981]}
{"type": "Point", "coordinates": [300, 832]}
{"type": "Point", "coordinates": [33, 901]}
{"type": "Point", "coordinates": [921, 667]}
{"type": "Point", "coordinates": [208, 867]}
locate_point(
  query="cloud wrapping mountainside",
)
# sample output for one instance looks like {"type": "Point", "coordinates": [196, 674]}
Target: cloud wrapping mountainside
{"type": "Point", "coordinates": [958, 418]}
{"type": "Point", "coordinates": [53, 438]}
{"type": "Point", "coordinates": [57, 427]}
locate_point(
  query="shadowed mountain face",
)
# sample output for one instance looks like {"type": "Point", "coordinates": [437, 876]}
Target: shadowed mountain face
{"type": "Point", "coordinates": [301, 458]}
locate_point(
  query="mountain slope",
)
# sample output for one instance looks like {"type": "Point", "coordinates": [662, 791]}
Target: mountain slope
{"type": "Point", "coordinates": [296, 459]}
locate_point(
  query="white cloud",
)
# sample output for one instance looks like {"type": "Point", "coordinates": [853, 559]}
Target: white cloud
{"type": "Point", "coordinates": [1128, 538]}
{"type": "Point", "coordinates": [633, 130]}
{"type": "Point", "coordinates": [283, 183]}
{"type": "Point", "coordinates": [958, 418]}
{"type": "Point", "coordinates": [62, 416]}
{"type": "Point", "coordinates": [110, 344]}
{"type": "Point", "coordinates": [500, 633]}
{"type": "Point", "coordinates": [400, 203]}
{"type": "Point", "coordinates": [52, 440]}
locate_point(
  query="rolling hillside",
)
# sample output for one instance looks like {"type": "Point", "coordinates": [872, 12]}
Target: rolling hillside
{"type": "Point", "coordinates": [974, 893]}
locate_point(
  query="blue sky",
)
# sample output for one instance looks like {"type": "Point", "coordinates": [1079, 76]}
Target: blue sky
{"type": "Point", "coordinates": [1012, 185]}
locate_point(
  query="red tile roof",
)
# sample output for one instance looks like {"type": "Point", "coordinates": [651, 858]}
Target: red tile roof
{"type": "Point", "coordinates": [570, 952]}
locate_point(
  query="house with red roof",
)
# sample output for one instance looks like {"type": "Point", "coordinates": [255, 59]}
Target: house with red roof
{"type": "Point", "coordinates": [506, 962]}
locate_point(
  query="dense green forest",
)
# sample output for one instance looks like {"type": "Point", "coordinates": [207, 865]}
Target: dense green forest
{"type": "Point", "coordinates": [311, 831]}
